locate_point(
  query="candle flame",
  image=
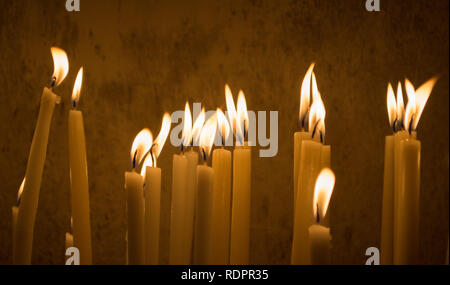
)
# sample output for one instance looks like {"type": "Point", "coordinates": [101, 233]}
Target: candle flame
{"type": "Point", "coordinates": [77, 87]}
{"type": "Point", "coordinates": [187, 127]}
{"type": "Point", "coordinates": [322, 192]}
{"type": "Point", "coordinates": [317, 118]}
{"type": "Point", "coordinates": [391, 106]}
{"type": "Point", "coordinates": [400, 106]}
{"type": "Point", "coordinates": [231, 110]}
{"type": "Point", "coordinates": [315, 90]}
{"type": "Point", "coordinates": [417, 100]}
{"type": "Point", "coordinates": [61, 65]}
{"type": "Point", "coordinates": [140, 147]}
{"type": "Point", "coordinates": [224, 128]}
{"type": "Point", "coordinates": [148, 161]}
{"type": "Point", "coordinates": [161, 138]}
{"type": "Point", "coordinates": [207, 137]}
{"type": "Point", "coordinates": [305, 94]}
{"type": "Point", "coordinates": [242, 117]}
{"type": "Point", "coordinates": [196, 130]}
{"type": "Point", "coordinates": [19, 193]}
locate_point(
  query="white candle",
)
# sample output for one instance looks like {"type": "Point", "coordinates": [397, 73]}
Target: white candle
{"type": "Point", "coordinates": [135, 214]}
{"type": "Point", "coordinates": [387, 220]}
{"type": "Point", "coordinates": [241, 206]}
{"type": "Point", "coordinates": [241, 197]}
{"type": "Point", "coordinates": [407, 246]}
{"type": "Point", "coordinates": [79, 185]}
{"type": "Point", "coordinates": [152, 194]}
{"type": "Point", "coordinates": [177, 242]}
{"type": "Point", "coordinates": [314, 157]}
{"type": "Point", "coordinates": [319, 235]}
{"type": "Point", "coordinates": [205, 180]}
{"type": "Point", "coordinates": [191, 189]}
{"type": "Point", "coordinates": [303, 134]}
{"type": "Point", "coordinates": [22, 247]}
{"type": "Point", "coordinates": [310, 166]}
{"type": "Point", "coordinates": [135, 199]}
{"type": "Point", "coordinates": [406, 235]}
{"type": "Point", "coordinates": [205, 176]}
{"type": "Point", "coordinates": [221, 198]}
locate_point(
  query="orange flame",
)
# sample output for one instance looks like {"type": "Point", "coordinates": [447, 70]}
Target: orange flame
{"type": "Point", "coordinates": [322, 192]}
{"type": "Point", "coordinates": [61, 65]}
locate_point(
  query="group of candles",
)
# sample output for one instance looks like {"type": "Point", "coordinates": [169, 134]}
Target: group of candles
{"type": "Point", "coordinates": [210, 216]}
{"type": "Point", "coordinates": [24, 214]}
{"type": "Point", "coordinates": [401, 188]}
{"type": "Point", "coordinates": [210, 207]}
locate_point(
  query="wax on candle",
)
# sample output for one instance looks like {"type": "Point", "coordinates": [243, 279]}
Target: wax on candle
{"type": "Point", "coordinates": [22, 246]}
{"type": "Point", "coordinates": [79, 185]}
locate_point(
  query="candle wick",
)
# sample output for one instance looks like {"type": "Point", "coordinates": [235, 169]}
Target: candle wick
{"type": "Point", "coordinates": [393, 125]}
{"type": "Point", "coordinates": [318, 214]}
{"type": "Point", "coordinates": [153, 158]}
{"type": "Point", "coordinates": [410, 124]}
{"type": "Point", "coordinates": [53, 82]}
{"type": "Point", "coordinates": [133, 163]}
{"type": "Point", "coordinates": [204, 155]}
{"type": "Point", "coordinates": [315, 128]}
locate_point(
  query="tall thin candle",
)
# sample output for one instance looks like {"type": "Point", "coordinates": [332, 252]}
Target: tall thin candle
{"type": "Point", "coordinates": [23, 244]}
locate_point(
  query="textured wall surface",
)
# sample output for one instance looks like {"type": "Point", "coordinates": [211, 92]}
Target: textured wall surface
{"type": "Point", "coordinates": [142, 58]}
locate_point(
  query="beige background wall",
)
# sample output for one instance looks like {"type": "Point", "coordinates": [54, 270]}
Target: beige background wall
{"type": "Point", "coordinates": [143, 58]}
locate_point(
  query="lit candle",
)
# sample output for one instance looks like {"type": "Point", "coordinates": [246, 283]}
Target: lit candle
{"type": "Point", "coordinates": [303, 134]}
{"type": "Point", "coordinates": [25, 219]}
{"type": "Point", "coordinates": [319, 235]}
{"type": "Point", "coordinates": [406, 239]}
{"type": "Point", "coordinates": [241, 197]}
{"type": "Point", "coordinates": [314, 156]}
{"type": "Point", "coordinates": [191, 188]}
{"type": "Point", "coordinates": [135, 199]}
{"type": "Point", "coordinates": [221, 196]}
{"type": "Point", "coordinates": [387, 220]}
{"type": "Point", "coordinates": [152, 194]}
{"type": "Point", "coordinates": [177, 242]}
{"type": "Point", "coordinates": [205, 177]}
{"type": "Point", "coordinates": [79, 185]}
